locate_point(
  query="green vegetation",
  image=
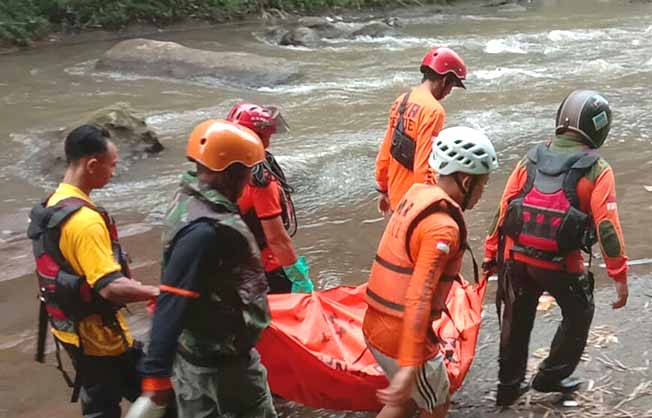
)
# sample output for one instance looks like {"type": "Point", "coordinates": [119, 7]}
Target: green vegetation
{"type": "Point", "coordinates": [22, 21]}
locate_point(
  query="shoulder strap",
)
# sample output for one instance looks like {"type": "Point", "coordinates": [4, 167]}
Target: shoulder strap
{"type": "Point", "coordinates": [456, 215]}
{"type": "Point", "coordinates": [401, 110]}
{"type": "Point", "coordinates": [440, 206]}
{"type": "Point", "coordinates": [71, 205]}
{"type": "Point", "coordinates": [575, 173]}
{"type": "Point", "coordinates": [275, 168]}
{"type": "Point", "coordinates": [259, 176]}
{"type": "Point", "coordinates": [464, 244]}
{"type": "Point", "coordinates": [65, 209]}
{"type": "Point", "coordinates": [531, 167]}
{"type": "Point", "coordinates": [270, 167]}
{"type": "Point", "coordinates": [262, 175]}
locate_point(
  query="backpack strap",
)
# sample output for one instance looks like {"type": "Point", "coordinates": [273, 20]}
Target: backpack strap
{"type": "Point", "coordinates": [262, 175]}
{"type": "Point", "coordinates": [44, 227]}
{"type": "Point", "coordinates": [531, 167]}
{"type": "Point", "coordinates": [575, 173]}
{"type": "Point", "coordinates": [456, 215]}
{"type": "Point", "coordinates": [259, 176]}
{"type": "Point", "coordinates": [401, 110]}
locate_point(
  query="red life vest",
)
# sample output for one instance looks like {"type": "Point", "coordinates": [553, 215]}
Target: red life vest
{"type": "Point", "coordinates": [545, 220]}
{"type": "Point", "coordinates": [68, 297]}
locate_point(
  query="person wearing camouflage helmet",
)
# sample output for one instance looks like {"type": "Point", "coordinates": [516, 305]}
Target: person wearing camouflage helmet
{"type": "Point", "coordinates": [558, 202]}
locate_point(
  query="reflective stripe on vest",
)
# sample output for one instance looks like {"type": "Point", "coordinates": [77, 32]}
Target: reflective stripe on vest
{"type": "Point", "coordinates": [393, 265]}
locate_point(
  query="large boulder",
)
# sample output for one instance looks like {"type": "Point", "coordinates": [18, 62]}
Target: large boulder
{"type": "Point", "coordinates": [375, 30]}
{"type": "Point", "coordinates": [169, 59]}
{"type": "Point", "coordinates": [393, 21]}
{"type": "Point", "coordinates": [129, 131]}
{"type": "Point", "coordinates": [274, 34]}
{"type": "Point", "coordinates": [309, 31]}
{"type": "Point", "coordinates": [301, 36]}
{"type": "Point", "coordinates": [323, 26]}
{"type": "Point", "coordinates": [314, 21]}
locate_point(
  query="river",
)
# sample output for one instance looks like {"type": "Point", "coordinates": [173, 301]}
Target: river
{"type": "Point", "coordinates": [522, 59]}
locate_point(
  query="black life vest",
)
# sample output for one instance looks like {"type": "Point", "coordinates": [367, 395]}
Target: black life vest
{"type": "Point", "coordinates": [262, 174]}
{"type": "Point", "coordinates": [403, 147]}
{"type": "Point", "coordinates": [545, 220]}
{"type": "Point", "coordinates": [68, 297]}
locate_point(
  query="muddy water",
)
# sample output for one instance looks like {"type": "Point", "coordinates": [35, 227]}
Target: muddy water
{"type": "Point", "coordinates": [522, 61]}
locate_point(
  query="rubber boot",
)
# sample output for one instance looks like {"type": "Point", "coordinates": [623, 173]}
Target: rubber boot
{"type": "Point", "coordinates": [568, 385]}
{"type": "Point", "coordinates": [508, 394]}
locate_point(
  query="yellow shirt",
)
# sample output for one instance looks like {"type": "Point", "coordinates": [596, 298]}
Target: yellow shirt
{"type": "Point", "coordinates": [86, 244]}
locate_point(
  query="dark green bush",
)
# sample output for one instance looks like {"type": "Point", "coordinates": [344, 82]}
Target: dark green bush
{"type": "Point", "coordinates": [22, 21]}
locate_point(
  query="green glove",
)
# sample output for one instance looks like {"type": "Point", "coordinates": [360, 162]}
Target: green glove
{"type": "Point", "coordinates": [298, 275]}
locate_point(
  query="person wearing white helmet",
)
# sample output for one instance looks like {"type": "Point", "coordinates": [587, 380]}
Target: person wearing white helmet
{"type": "Point", "coordinates": [466, 151]}
{"type": "Point", "coordinates": [419, 256]}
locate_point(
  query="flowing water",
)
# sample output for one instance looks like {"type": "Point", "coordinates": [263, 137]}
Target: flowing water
{"type": "Point", "coordinates": [522, 60]}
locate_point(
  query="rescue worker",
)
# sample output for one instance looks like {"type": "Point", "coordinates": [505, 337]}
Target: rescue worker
{"type": "Point", "coordinates": [554, 202]}
{"type": "Point", "coordinates": [414, 119]}
{"type": "Point", "coordinates": [213, 303]}
{"type": "Point", "coordinates": [418, 257]}
{"type": "Point", "coordinates": [84, 279]}
{"type": "Point", "coordinates": [266, 205]}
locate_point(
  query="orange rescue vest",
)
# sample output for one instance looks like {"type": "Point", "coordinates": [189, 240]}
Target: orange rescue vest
{"type": "Point", "coordinates": [393, 265]}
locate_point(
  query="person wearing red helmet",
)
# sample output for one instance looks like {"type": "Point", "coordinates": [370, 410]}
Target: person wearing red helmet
{"type": "Point", "coordinates": [266, 205]}
{"type": "Point", "coordinates": [414, 118]}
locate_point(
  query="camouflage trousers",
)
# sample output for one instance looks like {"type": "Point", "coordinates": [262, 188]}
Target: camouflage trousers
{"type": "Point", "coordinates": [233, 388]}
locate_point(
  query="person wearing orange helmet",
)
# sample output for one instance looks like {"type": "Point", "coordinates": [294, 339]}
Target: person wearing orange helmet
{"type": "Point", "coordinates": [414, 118]}
{"type": "Point", "coordinates": [266, 205]}
{"type": "Point", "coordinates": [213, 302]}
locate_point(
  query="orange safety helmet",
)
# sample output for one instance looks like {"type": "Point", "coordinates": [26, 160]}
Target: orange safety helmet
{"type": "Point", "coordinates": [217, 143]}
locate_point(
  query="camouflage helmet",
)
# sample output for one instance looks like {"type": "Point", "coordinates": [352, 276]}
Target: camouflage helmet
{"type": "Point", "coordinates": [587, 113]}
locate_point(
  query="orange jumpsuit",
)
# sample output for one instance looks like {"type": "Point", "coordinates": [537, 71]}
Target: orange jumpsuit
{"type": "Point", "coordinates": [423, 118]}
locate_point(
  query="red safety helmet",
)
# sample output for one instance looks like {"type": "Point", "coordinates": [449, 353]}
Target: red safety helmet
{"type": "Point", "coordinates": [444, 60]}
{"type": "Point", "coordinates": [264, 120]}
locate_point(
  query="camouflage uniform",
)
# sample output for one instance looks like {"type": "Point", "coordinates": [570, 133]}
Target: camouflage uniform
{"type": "Point", "coordinates": [217, 373]}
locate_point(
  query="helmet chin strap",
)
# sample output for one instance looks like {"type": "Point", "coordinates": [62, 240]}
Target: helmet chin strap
{"type": "Point", "coordinates": [467, 192]}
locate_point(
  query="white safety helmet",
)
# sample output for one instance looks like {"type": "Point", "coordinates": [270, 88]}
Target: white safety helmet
{"type": "Point", "coordinates": [462, 150]}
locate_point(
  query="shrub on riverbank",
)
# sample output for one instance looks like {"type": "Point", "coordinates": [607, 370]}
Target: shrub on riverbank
{"type": "Point", "coordinates": [22, 21]}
